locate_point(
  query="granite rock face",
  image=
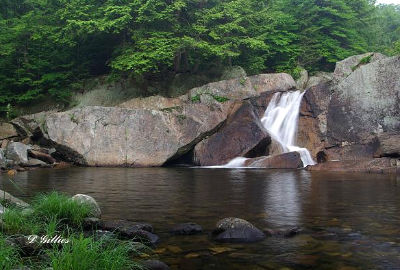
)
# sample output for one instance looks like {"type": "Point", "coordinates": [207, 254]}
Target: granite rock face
{"type": "Point", "coordinates": [148, 131]}
{"type": "Point", "coordinates": [241, 136]}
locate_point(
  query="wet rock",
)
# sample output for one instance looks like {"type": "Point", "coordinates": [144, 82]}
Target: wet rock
{"type": "Point", "coordinates": [18, 152]}
{"type": "Point", "coordinates": [125, 227]}
{"type": "Point", "coordinates": [145, 236]}
{"type": "Point", "coordinates": [236, 230]}
{"type": "Point", "coordinates": [389, 145]}
{"type": "Point", "coordinates": [7, 131]}
{"type": "Point", "coordinates": [242, 135]}
{"type": "Point", "coordinates": [155, 265]}
{"type": "Point", "coordinates": [377, 165]}
{"type": "Point", "coordinates": [42, 156]}
{"type": "Point", "coordinates": [289, 160]}
{"type": "Point", "coordinates": [86, 199]}
{"type": "Point", "coordinates": [9, 199]}
{"type": "Point", "coordinates": [186, 229]}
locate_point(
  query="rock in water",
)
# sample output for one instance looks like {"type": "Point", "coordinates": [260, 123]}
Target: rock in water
{"type": "Point", "coordinates": [18, 152]}
{"type": "Point", "coordinates": [155, 265]}
{"type": "Point", "coordinates": [291, 160]}
{"type": "Point", "coordinates": [186, 229]}
{"type": "Point", "coordinates": [86, 199]}
{"type": "Point", "coordinates": [242, 136]}
{"type": "Point", "coordinates": [236, 230]}
{"type": "Point", "coordinates": [125, 227]}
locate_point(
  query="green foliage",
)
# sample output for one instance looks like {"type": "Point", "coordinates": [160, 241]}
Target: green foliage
{"type": "Point", "coordinates": [220, 99]}
{"type": "Point", "coordinates": [48, 48]}
{"type": "Point", "coordinates": [87, 254]}
{"type": "Point", "coordinates": [195, 98]}
{"type": "Point", "coordinates": [365, 60]}
{"type": "Point", "coordinates": [9, 256]}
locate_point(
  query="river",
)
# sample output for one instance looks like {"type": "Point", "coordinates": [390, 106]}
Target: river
{"type": "Point", "coordinates": [349, 221]}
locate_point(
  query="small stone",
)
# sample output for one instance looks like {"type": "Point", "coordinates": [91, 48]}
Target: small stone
{"type": "Point", "coordinates": [86, 199]}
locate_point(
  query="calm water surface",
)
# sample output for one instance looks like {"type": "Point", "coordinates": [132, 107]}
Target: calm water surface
{"type": "Point", "coordinates": [350, 221]}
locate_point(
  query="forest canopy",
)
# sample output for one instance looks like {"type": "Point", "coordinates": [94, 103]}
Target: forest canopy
{"type": "Point", "coordinates": [48, 47]}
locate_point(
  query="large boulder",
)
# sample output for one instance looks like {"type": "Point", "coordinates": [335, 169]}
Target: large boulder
{"type": "Point", "coordinates": [91, 202]}
{"type": "Point", "coordinates": [366, 102]}
{"type": "Point", "coordinates": [7, 131]}
{"type": "Point", "coordinates": [109, 136]}
{"type": "Point", "coordinates": [289, 160]}
{"type": "Point", "coordinates": [242, 135]}
{"type": "Point", "coordinates": [345, 67]}
{"type": "Point", "coordinates": [272, 82]}
{"type": "Point", "coordinates": [18, 152]}
{"type": "Point", "coordinates": [236, 230]}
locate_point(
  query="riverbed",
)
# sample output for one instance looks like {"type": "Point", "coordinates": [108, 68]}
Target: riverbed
{"type": "Point", "coordinates": [348, 221]}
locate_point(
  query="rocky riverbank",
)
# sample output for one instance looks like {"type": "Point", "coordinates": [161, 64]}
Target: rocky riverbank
{"type": "Point", "coordinates": [349, 120]}
{"type": "Point", "coordinates": [48, 232]}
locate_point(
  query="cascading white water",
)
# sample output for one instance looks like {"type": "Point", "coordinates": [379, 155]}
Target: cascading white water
{"type": "Point", "coordinates": [281, 121]}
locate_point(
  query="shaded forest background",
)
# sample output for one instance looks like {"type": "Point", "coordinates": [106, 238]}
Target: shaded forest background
{"type": "Point", "coordinates": [49, 49]}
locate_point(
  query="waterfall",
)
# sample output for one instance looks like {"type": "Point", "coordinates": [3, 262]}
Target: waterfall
{"type": "Point", "coordinates": [281, 121]}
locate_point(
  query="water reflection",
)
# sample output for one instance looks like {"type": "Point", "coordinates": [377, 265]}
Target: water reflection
{"type": "Point", "coordinates": [349, 219]}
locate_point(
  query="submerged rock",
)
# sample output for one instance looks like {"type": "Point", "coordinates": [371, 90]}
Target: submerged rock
{"type": "Point", "coordinates": [155, 265]}
{"type": "Point", "coordinates": [289, 160]}
{"type": "Point", "coordinates": [236, 230]}
{"type": "Point", "coordinates": [186, 229]}
{"type": "Point", "coordinates": [125, 227]}
{"type": "Point", "coordinates": [86, 199]}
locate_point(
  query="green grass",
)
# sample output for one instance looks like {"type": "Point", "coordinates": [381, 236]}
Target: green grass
{"type": "Point", "coordinates": [56, 214]}
{"type": "Point", "coordinates": [86, 254]}
{"type": "Point", "coordinates": [60, 208]}
{"type": "Point", "coordinates": [9, 256]}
